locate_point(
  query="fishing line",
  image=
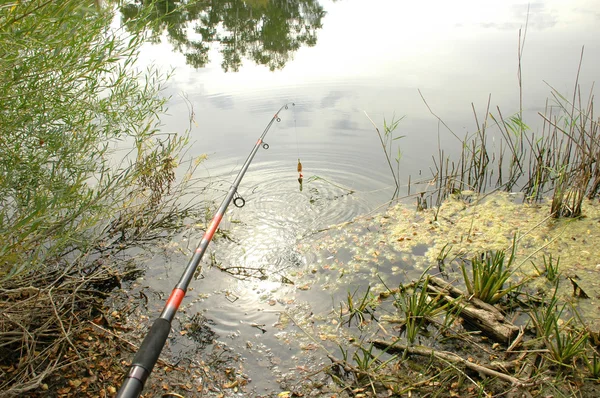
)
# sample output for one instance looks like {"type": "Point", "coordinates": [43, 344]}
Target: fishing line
{"type": "Point", "coordinates": [299, 168]}
{"type": "Point", "coordinates": [296, 132]}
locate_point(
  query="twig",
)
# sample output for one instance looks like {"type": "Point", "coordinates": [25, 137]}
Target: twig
{"type": "Point", "coordinates": [437, 117]}
{"type": "Point", "coordinates": [60, 323]}
{"type": "Point", "coordinates": [446, 356]}
{"type": "Point", "coordinates": [134, 348]}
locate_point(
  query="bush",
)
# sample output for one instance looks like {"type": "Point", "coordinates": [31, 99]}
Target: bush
{"type": "Point", "coordinates": [84, 172]}
{"type": "Point", "coordinates": [69, 93]}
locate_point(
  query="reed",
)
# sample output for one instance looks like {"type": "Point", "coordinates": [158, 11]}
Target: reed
{"type": "Point", "coordinates": [565, 344]}
{"type": "Point", "coordinates": [387, 140]}
{"type": "Point", "coordinates": [550, 269]}
{"type": "Point", "coordinates": [559, 162]}
{"type": "Point", "coordinates": [418, 308]}
{"type": "Point", "coordinates": [358, 308]}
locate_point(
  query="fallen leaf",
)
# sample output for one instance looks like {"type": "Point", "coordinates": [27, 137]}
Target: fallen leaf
{"type": "Point", "coordinates": [75, 383]}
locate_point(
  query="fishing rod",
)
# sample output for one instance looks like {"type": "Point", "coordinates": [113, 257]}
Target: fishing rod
{"type": "Point", "coordinates": [153, 343]}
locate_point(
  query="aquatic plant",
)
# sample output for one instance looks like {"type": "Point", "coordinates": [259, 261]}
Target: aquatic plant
{"type": "Point", "coordinates": [560, 161]}
{"type": "Point", "coordinates": [577, 167]}
{"type": "Point", "coordinates": [386, 144]}
{"type": "Point", "coordinates": [593, 365]}
{"type": "Point", "coordinates": [358, 309]}
{"type": "Point", "coordinates": [564, 343]}
{"type": "Point", "coordinates": [550, 269]}
{"type": "Point", "coordinates": [418, 308]}
{"type": "Point", "coordinates": [489, 272]}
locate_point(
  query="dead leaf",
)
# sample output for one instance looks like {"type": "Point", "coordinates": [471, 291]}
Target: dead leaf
{"type": "Point", "coordinates": [75, 383]}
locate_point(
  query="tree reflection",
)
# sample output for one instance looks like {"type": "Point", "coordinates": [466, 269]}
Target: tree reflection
{"type": "Point", "coordinates": [266, 31]}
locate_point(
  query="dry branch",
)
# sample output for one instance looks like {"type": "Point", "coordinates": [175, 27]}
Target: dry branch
{"type": "Point", "coordinates": [395, 348]}
{"type": "Point", "coordinates": [39, 318]}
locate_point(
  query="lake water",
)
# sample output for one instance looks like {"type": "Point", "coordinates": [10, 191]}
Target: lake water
{"type": "Point", "coordinates": [374, 57]}
{"type": "Point", "coordinates": [369, 56]}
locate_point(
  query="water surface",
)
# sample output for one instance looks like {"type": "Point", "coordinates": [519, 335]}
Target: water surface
{"type": "Point", "coordinates": [356, 56]}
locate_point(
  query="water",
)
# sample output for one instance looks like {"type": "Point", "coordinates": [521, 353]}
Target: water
{"type": "Point", "coordinates": [369, 57]}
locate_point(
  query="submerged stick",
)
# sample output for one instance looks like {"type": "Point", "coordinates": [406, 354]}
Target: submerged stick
{"type": "Point", "coordinates": [393, 347]}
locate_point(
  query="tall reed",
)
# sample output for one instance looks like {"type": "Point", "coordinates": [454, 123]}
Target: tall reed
{"type": "Point", "coordinates": [561, 160]}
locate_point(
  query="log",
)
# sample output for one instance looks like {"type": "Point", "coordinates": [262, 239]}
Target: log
{"type": "Point", "coordinates": [481, 315]}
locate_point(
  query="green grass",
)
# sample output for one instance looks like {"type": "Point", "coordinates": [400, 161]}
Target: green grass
{"type": "Point", "coordinates": [418, 308]}
{"type": "Point", "coordinates": [489, 273]}
{"type": "Point", "coordinates": [358, 309]}
{"type": "Point", "coordinates": [564, 343]}
{"type": "Point", "coordinates": [593, 365]}
{"type": "Point", "coordinates": [550, 269]}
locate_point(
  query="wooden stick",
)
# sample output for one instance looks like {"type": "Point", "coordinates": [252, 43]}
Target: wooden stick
{"type": "Point", "coordinates": [446, 356]}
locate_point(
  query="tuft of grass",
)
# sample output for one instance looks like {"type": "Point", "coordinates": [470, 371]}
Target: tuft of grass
{"type": "Point", "coordinates": [489, 273]}
{"type": "Point", "coordinates": [418, 308]}
{"type": "Point", "coordinates": [358, 309]}
{"type": "Point", "coordinates": [564, 343]}
{"type": "Point", "coordinates": [441, 257]}
{"type": "Point", "coordinates": [551, 268]}
{"type": "Point", "coordinates": [593, 365]}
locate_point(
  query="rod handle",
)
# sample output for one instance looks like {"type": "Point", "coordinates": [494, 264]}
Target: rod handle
{"type": "Point", "coordinates": [145, 359]}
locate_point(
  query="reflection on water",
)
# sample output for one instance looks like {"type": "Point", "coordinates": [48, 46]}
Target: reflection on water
{"type": "Point", "coordinates": [267, 32]}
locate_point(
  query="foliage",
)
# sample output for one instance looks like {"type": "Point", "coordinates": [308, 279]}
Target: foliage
{"type": "Point", "coordinates": [564, 343]}
{"type": "Point", "coordinates": [577, 161]}
{"type": "Point", "coordinates": [357, 309]}
{"type": "Point", "coordinates": [593, 365]}
{"type": "Point", "coordinates": [561, 160]}
{"type": "Point", "coordinates": [386, 141]}
{"type": "Point", "coordinates": [551, 268]}
{"type": "Point", "coordinates": [67, 100]}
{"type": "Point", "coordinates": [267, 32]}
